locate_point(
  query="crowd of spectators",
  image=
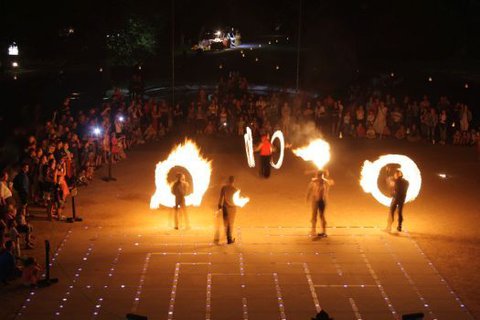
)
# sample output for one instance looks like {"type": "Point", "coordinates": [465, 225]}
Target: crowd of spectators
{"type": "Point", "coordinates": [364, 113]}
{"type": "Point", "coordinates": [64, 153]}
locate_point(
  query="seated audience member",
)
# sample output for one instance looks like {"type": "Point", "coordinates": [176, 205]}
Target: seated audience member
{"type": "Point", "coordinates": [150, 133]}
{"type": "Point", "coordinates": [414, 134]}
{"type": "Point", "coordinates": [8, 267]}
{"type": "Point", "coordinates": [474, 136]}
{"type": "Point", "coordinates": [371, 134]}
{"type": "Point", "coordinates": [386, 132]}
{"type": "Point", "coordinates": [241, 124]}
{"type": "Point", "coordinates": [210, 128]}
{"type": "Point", "coordinates": [14, 236]}
{"type": "Point", "coordinates": [30, 272]}
{"type": "Point", "coordinates": [360, 131]}
{"type": "Point", "coordinates": [26, 228]}
{"type": "Point", "coordinates": [162, 131]}
{"type": "Point", "coordinates": [457, 137]}
{"type": "Point", "coordinates": [465, 140]}
{"type": "Point", "coordinates": [400, 134]}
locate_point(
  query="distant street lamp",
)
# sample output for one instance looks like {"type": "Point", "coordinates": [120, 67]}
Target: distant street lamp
{"type": "Point", "coordinates": [13, 49]}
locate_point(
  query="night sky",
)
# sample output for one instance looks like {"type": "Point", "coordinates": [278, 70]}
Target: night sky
{"type": "Point", "coordinates": [377, 29]}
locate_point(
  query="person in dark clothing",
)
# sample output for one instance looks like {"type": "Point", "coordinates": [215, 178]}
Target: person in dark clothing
{"type": "Point", "coordinates": [179, 190]}
{"type": "Point", "coordinates": [322, 315]}
{"type": "Point", "coordinates": [21, 184]}
{"type": "Point", "coordinates": [7, 263]}
{"type": "Point", "coordinates": [265, 148]}
{"type": "Point", "coordinates": [400, 188]}
{"type": "Point", "coordinates": [228, 207]}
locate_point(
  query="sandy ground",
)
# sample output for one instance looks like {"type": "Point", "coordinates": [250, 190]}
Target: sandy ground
{"type": "Point", "coordinates": [443, 219]}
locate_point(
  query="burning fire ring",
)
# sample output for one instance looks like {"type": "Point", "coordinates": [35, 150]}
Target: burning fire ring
{"type": "Point", "coordinates": [371, 170]}
{"type": "Point", "coordinates": [278, 135]}
{"type": "Point", "coordinates": [186, 155]}
{"type": "Point", "coordinates": [249, 147]}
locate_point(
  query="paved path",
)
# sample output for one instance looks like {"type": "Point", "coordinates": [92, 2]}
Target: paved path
{"type": "Point", "coordinates": [127, 258]}
{"type": "Point", "coordinates": [269, 273]}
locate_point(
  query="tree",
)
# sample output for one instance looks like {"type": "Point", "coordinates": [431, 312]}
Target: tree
{"type": "Point", "coordinates": [133, 44]}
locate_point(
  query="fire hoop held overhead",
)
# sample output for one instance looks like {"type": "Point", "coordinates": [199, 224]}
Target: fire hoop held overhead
{"type": "Point", "coordinates": [186, 155]}
{"type": "Point", "coordinates": [371, 170]}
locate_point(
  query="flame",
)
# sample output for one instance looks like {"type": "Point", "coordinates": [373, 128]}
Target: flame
{"type": "Point", "coordinates": [240, 201]}
{"type": "Point", "coordinates": [249, 147]}
{"type": "Point", "coordinates": [318, 151]}
{"type": "Point", "coordinates": [278, 135]}
{"type": "Point", "coordinates": [371, 170]}
{"type": "Point", "coordinates": [186, 155]}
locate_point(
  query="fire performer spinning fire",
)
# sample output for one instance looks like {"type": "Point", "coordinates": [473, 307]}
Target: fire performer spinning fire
{"type": "Point", "coordinates": [265, 147]}
{"type": "Point", "coordinates": [400, 187]}
{"type": "Point", "coordinates": [179, 190]}
{"type": "Point", "coordinates": [317, 194]}
{"type": "Point", "coordinates": [228, 205]}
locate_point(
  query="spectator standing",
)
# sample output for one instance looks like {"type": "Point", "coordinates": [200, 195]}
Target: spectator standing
{"type": "Point", "coordinates": [21, 184]}
{"type": "Point", "coordinates": [381, 120]}
{"type": "Point", "coordinates": [442, 126]}
{"type": "Point", "coordinates": [465, 118]}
